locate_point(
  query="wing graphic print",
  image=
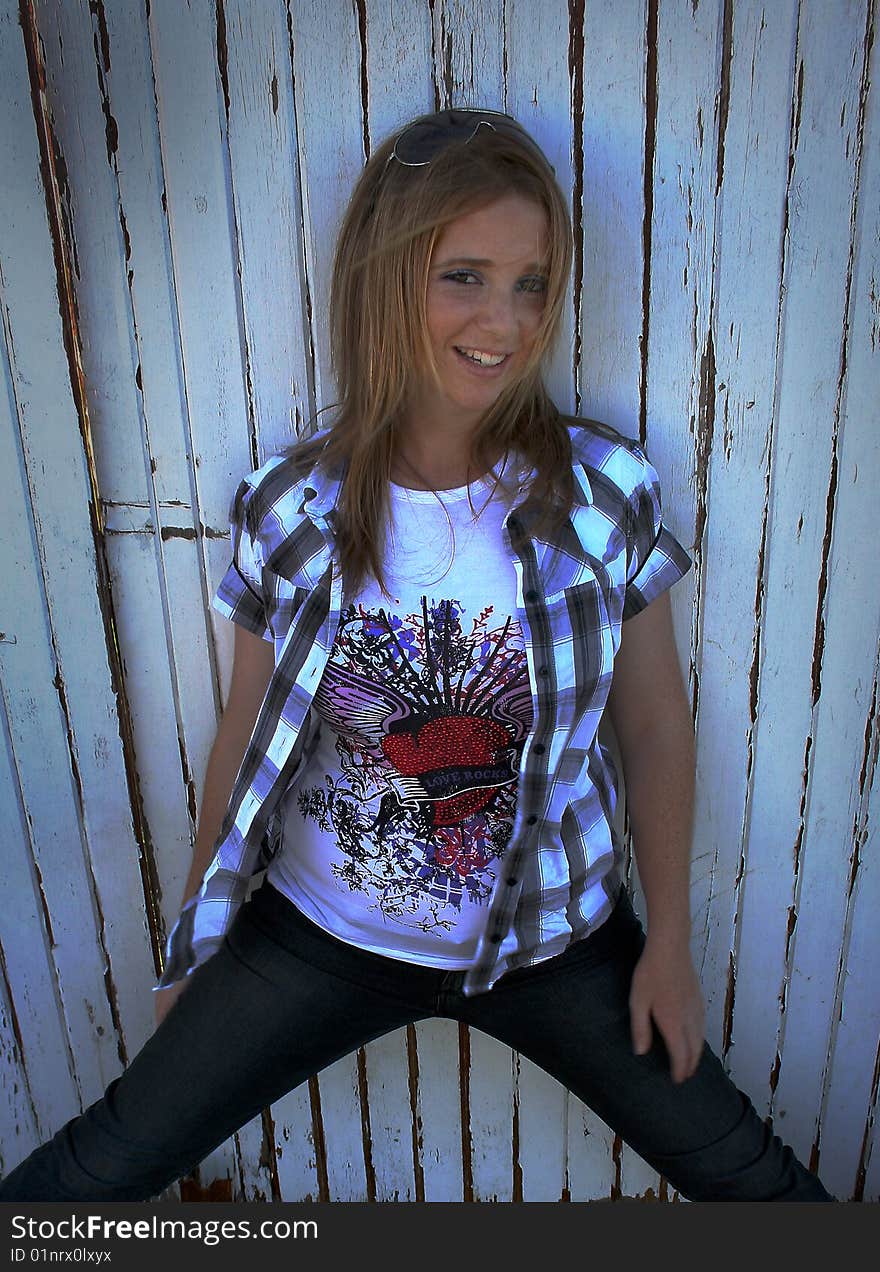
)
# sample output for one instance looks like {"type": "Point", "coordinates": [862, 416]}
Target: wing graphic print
{"type": "Point", "coordinates": [359, 707]}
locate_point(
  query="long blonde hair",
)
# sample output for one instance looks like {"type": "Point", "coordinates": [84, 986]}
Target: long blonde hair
{"type": "Point", "coordinates": [379, 340]}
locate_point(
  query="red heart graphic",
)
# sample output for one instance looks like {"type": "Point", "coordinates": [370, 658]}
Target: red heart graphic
{"type": "Point", "coordinates": [448, 742]}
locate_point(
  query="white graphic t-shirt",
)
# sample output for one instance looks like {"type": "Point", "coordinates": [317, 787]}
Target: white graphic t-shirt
{"type": "Point", "coordinates": [394, 834]}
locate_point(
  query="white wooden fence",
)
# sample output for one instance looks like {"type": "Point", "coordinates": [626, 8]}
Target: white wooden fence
{"type": "Point", "coordinates": [170, 186]}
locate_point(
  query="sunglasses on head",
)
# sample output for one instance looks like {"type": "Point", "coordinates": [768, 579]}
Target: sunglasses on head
{"type": "Point", "coordinates": [426, 137]}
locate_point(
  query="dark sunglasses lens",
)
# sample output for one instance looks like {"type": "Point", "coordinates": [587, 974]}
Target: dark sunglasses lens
{"type": "Point", "coordinates": [422, 141]}
{"type": "Point", "coordinates": [426, 138]}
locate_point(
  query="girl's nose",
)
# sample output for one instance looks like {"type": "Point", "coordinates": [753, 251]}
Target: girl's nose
{"type": "Point", "coordinates": [498, 311]}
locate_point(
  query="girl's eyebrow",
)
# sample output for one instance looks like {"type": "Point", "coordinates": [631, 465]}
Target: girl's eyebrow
{"type": "Point", "coordinates": [481, 261]}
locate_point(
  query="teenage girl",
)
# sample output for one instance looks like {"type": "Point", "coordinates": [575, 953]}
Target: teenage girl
{"type": "Point", "coordinates": [437, 599]}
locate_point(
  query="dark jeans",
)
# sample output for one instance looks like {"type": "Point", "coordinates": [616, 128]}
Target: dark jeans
{"type": "Point", "coordinates": [281, 1000]}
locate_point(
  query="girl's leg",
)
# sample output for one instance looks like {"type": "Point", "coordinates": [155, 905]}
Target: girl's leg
{"type": "Point", "coordinates": [254, 1022]}
{"type": "Point", "coordinates": [571, 1016]}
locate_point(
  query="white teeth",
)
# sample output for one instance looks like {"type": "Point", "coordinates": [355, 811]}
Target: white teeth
{"type": "Point", "coordinates": [484, 359]}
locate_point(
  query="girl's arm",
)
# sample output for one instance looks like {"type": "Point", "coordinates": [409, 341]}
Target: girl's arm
{"type": "Point", "coordinates": [650, 712]}
{"type": "Point", "coordinates": [253, 663]}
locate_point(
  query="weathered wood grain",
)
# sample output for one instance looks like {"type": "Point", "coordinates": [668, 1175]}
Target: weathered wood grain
{"type": "Point", "coordinates": [739, 397]}
{"type": "Point", "coordinates": [254, 60]}
{"type": "Point", "coordinates": [439, 1110]}
{"type": "Point", "coordinates": [846, 627]}
{"type": "Point", "coordinates": [187, 556]}
{"type": "Point", "coordinates": [349, 1170]}
{"type": "Point", "coordinates": [470, 53]}
{"type": "Point", "coordinates": [39, 1073]}
{"type": "Point", "coordinates": [398, 66]}
{"type": "Point", "coordinates": [490, 1104]}
{"type": "Point", "coordinates": [591, 1167]}
{"type": "Point", "coordinates": [804, 460]}
{"type": "Point", "coordinates": [391, 1118]}
{"type": "Point", "coordinates": [612, 212]}
{"type": "Point", "coordinates": [539, 93]}
{"type": "Point", "coordinates": [64, 724]}
{"type": "Point", "coordinates": [850, 1100]}
{"type": "Point", "coordinates": [326, 58]}
{"type": "Point", "coordinates": [722, 160]}
{"type": "Point", "coordinates": [293, 1143]}
{"type": "Point", "coordinates": [540, 1154]}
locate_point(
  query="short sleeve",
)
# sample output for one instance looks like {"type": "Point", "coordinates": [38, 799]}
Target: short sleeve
{"type": "Point", "coordinates": [655, 558]}
{"type": "Point", "coordinates": [239, 595]}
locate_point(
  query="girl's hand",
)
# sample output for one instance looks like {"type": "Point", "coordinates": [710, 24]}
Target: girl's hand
{"type": "Point", "coordinates": [665, 989]}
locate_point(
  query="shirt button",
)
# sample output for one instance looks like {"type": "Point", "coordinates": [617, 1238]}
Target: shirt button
{"type": "Point", "coordinates": [539, 748]}
{"type": "Point", "coordinates": [530, 821]}
{"type": "Point", "coordinates": [495, 938]}
{"type": "Point", "coordinates": [543, 671]}
{"type": "Point", "coordinates": [511, 882]}
{"type": "Point", "coordinates": [531, 595]}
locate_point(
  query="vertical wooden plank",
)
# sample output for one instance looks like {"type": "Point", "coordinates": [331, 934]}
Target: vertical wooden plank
{"type": "Point", "coordinates": [391, 1121]}
{"type": "Point", "coordinates": [117, 200]}
{"type": "Point", "coordinates": [491, 1089]}
{"type": "Point", "coordinates": [256, 1158]}
{"type": "Point", "coordinates": [541, 1140]}
{"type": "Point", "coordinates": [37, 1088]}
{"type": "Point", "coordinates": [635, 1177]}
{"type": "Point", "coordinates": [805, 461]}
{"type": "Point", "coordinates": [39, 1073]}
{"type": "Point", "coordinates": [295, 1147]}
{"type": "Point", "coordinates": [539, 93]}
{"type": "Point", "coordinates": [470, 53]}
{"type": "Point", "coordinates": [16, 1101]}
{"type": "Point", "coordinates": [112, 193]}
{"type": "Point", "coordinates": [848, 1127]}
{"type": "Point", "coordinates": [682, 193]}
{"type": "Point", "coordinates": [869, 1178]}
{"type": "Point", "coordinates": [326, 51]}
{"type": "Point", "coordinates": [255, 64]}
{"type": "Point", "coordinates": [591, 1167]}
{"type": "Point", "coordinates": [614, 55]}
{"type": "Point", "coordinates": [844, 651]}
{"type": "Point", "coordinates": [75, 61]}
{"type": "Point", "coordinates": [439, 1109]}
{"type": "Point", "coordinates": [684, 124]}
{"type": "Point", "coordinates": [72, 778]}
{"type": "Point", "coordinates": [739, 394]}
{"type": "Point", "coordinates": [343, 1112]}
{"type": "Point", "coordinates": [165, 790]}
{"type": "Point", "coordinates": [399, 78]}
{"type": "Point", "coordinates": [170, 676]}
{"type": "Point", "coordinates": [193, 139]}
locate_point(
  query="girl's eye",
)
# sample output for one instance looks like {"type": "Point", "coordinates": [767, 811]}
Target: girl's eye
{"type": "Point", "coordinates": [536, 283]}
{"type": "Point", "coordinates": [461, 276]}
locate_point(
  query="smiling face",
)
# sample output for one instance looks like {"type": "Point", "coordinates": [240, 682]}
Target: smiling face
{"type": "Point", "coordinates": [484, 304]}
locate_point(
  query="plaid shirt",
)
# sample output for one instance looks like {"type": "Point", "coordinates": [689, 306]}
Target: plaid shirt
{"type": "Point", "coordinates": [560, 873]}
